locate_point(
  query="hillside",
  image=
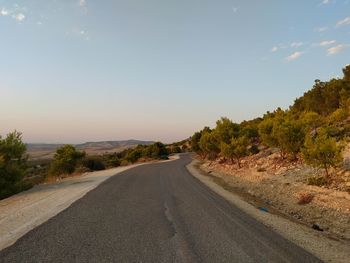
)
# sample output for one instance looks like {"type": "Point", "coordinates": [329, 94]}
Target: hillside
{"type": "Point", "coordinates": [46, 151]}
{"type": "Point", "coordinates": [293, 161]}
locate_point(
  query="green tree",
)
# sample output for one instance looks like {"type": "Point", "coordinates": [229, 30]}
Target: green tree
{"type": "Point", "coordinates": [322, 151]}
{"type": "Point", "coordinates": [209, 145]}
{"type": "Point", "coordinates": [311, 120]}
{"type": "Point", "coordinates": [225, 129]}
{"type": "Point", "coordinates": [240, 146]}
{"type": "Point", "coordinates": [236, 149]}
{"type": "Point", "coordinates": [266, 132]}
{"type": "Point", "coordinates": [338, 115]}
{"type": "Point", "coordinates": [65, 160]}
{"type": "Point", "coordinates": [228, 151]}
{"type": "Point", "coordinates": [290, 137]}
{"type": "Point", "coordinates": [13, 164]}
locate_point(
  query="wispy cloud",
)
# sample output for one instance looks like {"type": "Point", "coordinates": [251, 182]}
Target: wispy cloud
{"type": "Point", "coordinates": [16, 13]}
{"type": "Point", "coordinates": [325, 2]}
{"type": "Point", "coordinates": [235, 9]}
{"type": "Point", "coordinates": [327, 43]}
{"type": "Point", "coordinates": [296, 44]}
{"type": "Point", "coordinates": [82, 3]}
{"type": "Point", "coordinates": [345, 21]}
{"type": "Point", "coordinates": [294, 56]}
{"type": "Point", "coordinates": [337, 49]}
{"type": "Point", "coordinates": [19, 17]}
{"type": "Point", "coordinates": [4, 12]}
{"type": "Point", "coordinates": [274, 49]}
{"type": "Point", "coordinates": [321, 29]}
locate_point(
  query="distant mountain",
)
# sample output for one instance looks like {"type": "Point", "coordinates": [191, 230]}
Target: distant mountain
{"type": "Point", "coordinates": [45, 151]}
{"type": "Point", "coordinates": [112, 144]}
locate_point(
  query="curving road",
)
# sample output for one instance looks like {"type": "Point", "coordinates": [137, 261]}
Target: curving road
{"type": "Point", "coordinates": [153, 213]}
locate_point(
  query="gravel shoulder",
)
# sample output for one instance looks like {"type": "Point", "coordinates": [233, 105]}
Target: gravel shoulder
{"type": "Point", "coordinates": [317, 243]}
{"type": "Point", "coordinates": [23, 212]}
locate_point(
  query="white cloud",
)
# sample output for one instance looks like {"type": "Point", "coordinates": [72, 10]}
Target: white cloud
{"type": "Point", "coordinates": [345, 21]}
{"type": "Point", "coordinates": [4, 12]}
{"type": "Point", "coordinates": [337, 49]}
{"type": "Point", "coordinates": [19, 17]}
{"type": "Point", "coordinates": [296, 44]}
{"type": "Point", "coordinates": [294, 56]}
{"type": "Point", "coordinates": [322, 29]}
{"type": "Point", "coordinates": [325, 2]}
{"type": "Point", "coordinates": [82, 3]}
{"type": "Point", "coordinates": [274, 49]}
{"type": "Point", "coordinates": [327, 43]}
{"type": "Point", "coordinates": [234, 9]}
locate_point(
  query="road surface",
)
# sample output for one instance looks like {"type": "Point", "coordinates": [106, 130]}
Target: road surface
{"type": "Point", "coordinates": [153, 213]}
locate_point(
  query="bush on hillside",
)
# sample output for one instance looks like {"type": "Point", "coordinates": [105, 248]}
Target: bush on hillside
{"type": "Point", "coordinates": [13, 164]}
{"type": "Point", "coordinates": [66, 160]}
{"type": "Point", "coordinates": [93, 164]}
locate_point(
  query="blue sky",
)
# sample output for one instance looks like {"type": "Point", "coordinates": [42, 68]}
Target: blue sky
{"type": "Point", "coordinates": [75, 71]}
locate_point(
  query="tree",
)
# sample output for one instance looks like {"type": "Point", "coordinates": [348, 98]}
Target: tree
{"type": "Point", "coordinates": [209, 145]}
{"type": "Point", "coordinates": [13, 163]}
{"type": "Point", "coordinates": [194, 141]}
{"type": "Point", "coordinates": [346, 72]}
{"type": "Point", "coordinates": [290, 137]}
{"type": "Point", "coordinates": [240, 146]}
{"type": "Point", "coordinates": [156, 150]}
{"type": "Point", "coordinates": [237, 148]}
{"type": "Point", "coordinates": [65, 160]}
{"type": "Point", "coordinates": [338, 115]}
{"type": "Point", "coordinates": [266, 132]}
{"type": "Point", "coordinates": [311, 120]}
{"type": "Point", "coordinates": [225, 129]}
{"type": "Point", "coordinates": [227, 150]}
{"type": "Point", "coordinates": [322, 151]}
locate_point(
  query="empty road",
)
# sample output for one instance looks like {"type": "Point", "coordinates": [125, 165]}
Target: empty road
{"type": "Point", "coordinates": [153, 213]}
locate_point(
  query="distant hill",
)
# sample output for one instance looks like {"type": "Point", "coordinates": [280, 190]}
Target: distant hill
{"type": "Point", "coordinates": [46, 151]}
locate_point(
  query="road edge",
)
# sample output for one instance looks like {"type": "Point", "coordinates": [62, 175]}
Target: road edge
{"type": "Point", "coordinates": [314, 242]}
{"type": "Point", "coordinates": [30, 217]}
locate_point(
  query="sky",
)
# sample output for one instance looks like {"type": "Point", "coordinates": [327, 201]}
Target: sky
{"type": "Point", "coordinates": [90, 70]}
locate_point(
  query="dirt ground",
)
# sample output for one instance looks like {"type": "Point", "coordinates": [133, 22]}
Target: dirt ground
{"type": "Point", "coordinates": [282, 187]}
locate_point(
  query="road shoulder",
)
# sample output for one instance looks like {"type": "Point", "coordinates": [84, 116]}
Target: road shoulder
{"type": "Point", "coordinates": [314, 242]}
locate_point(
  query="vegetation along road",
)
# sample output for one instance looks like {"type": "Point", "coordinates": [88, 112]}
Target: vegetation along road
{"type": "Point", "coordinates": [153, 213]}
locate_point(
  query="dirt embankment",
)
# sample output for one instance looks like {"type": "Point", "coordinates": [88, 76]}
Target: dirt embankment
{"type": "Point", "coordinates": [282, 187]}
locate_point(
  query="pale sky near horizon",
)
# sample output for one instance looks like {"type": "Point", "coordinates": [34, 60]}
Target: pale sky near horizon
{"type": "Point", "coordinates": [73, 71]}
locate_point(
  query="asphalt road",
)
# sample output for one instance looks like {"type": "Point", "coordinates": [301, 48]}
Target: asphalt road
{"type": "Point", "coordinates": [153, 213]}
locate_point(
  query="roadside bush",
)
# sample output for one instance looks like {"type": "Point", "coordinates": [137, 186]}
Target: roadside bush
{"type": "Point", "coordinates": [93, 164]}
{"type": "Point", "coordinates": [65, 160]}
{"type": "Point", "coordinates": [124, 163]}
{"type": "Point", "coordinates": [111, 160]}
{"type": "Point", "coordinates": [305, 198]}
{"type": "Point", "coordinates": [322, 151]}
{"type": "Point", "coordinates": [317, 180]}
{"type": "Point", "coordinates": [13, 164]}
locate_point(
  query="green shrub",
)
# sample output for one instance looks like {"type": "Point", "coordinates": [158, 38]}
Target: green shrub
{"type": "Point", "coordinates": [93, 164]}
{"type": "Point", "coordinates": [317, 180]}
{"type": "Point", "coordinates": [65, 160]}
{"type": "Point", "coordinates": [111, 160]}
{"type": "Point", "coordinates": [322, 151]}
{"type": "Point", "coordinates": [124, 163]}
{"type": "Point", "coordinates": [13, 164]}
